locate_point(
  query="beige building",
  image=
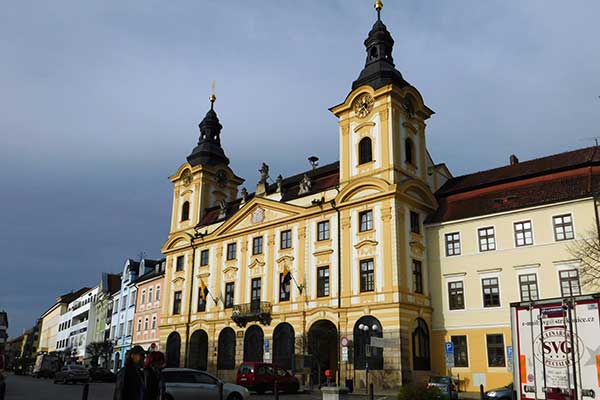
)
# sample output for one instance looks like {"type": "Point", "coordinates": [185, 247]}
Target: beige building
{"type": "Point", "coordinates": [503, 236]}
{"type": "Point", "coordinates": [146, 329]}
{"type": "Point", "coordinates": [285, 273]}
{"type": "Point", "coordinates": [50, 321]}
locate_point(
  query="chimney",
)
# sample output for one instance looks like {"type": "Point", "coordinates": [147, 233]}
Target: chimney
{"type": "Point", "coordinates": [513, 159]}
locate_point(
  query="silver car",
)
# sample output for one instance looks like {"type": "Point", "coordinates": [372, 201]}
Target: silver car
{"type": "Point", "coordinates": [191, 384]}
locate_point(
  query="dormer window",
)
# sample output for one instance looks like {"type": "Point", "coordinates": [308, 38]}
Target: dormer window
{"type": "Point", "coordinates": [365, 150]}
{"type": "Point", "coordinates": [185, 211]}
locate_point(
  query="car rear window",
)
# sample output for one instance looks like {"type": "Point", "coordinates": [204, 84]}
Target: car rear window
{"type": "Point", "coordinates": [246, 369]}
{"type": "Point", "coordinates": [439, 379]}
{"type": "Point", "coordinates": [178, 377]}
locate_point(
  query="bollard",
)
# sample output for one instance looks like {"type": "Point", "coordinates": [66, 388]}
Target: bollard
{"type": "Point", "coordinates": [371, 391]}
{"type": "Point", "coordinates": [481, 397]}
{"type": "Point", "coordinates": [86, 390]}
{"type": "Point", "coordinates": [275, 390]}
{"type": "Point", "coordinates": [221, 390]}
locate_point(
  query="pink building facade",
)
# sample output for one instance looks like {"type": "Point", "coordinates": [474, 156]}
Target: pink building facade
{"type": "Point", "coordinates": [146, 323]}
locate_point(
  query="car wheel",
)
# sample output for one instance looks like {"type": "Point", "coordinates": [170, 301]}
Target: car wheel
{"type": "Point", "coordinates": [234, 396]}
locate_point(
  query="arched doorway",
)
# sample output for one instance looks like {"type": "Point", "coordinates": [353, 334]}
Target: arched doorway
{"type": "Point", "coordinates": [283, 345]}
{"type": "Point", "coordinates": [362, 354]}
{"type": "Point", "coordinates": [420, 346]}
{"type": "Point", "coordinates": [323, 348]}
{"type": "Point", "coordinates": [226, 353]}
{"type": "Point", "coordinates": [173, 350]}
{"type": "Point", "coordinates": [199, 350]}
{"type": "Point", "coordinates": [254, 341]}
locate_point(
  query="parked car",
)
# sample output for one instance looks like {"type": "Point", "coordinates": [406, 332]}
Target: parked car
{"type": "Point", "coordinates": [191, 384]}
{"type": "Point", "coordinates": [260, 377]}
{"type": "Point", "coordinates": [102, 375]}
{"type": "Point", "coordinates": [503, 393]}
{"type": "Point", "coordinates": [72, 373]}
{"type": "Point", "coordinates": [446, 384]}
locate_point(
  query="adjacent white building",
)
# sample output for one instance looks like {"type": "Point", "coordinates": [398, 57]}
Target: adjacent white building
{"type": "Point", "coordinates": [74, 329]}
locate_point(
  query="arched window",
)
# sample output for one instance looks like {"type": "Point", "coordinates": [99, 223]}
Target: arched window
{"type": "Point", "coordinates": [185, 211]}
{"type": "Point", "coordinates": [365, 328]}
{"type": "Point", "coordinates": [226, 353]}
{"type": "Point", "coordinates": [365, 151]}
{"type": "Point", "coordinates": [420, 346]}
{"type": "Point", "coordinates": [409, 150]}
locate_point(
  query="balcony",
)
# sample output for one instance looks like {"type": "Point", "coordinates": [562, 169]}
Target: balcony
{"type": "Point", "coordinates": [255, 311]}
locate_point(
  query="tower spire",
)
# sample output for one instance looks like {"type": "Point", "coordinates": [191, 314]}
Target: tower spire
{"type": "Point", "coordinates": [379, 67]}
{"type": "Point", "coordinates": [209, 150]}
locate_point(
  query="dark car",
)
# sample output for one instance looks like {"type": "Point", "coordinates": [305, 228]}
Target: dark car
{"type": "Point", "coordinates": [445, 384]}
{"type": "Point", "coordinates": [72, 373]}
{"type": "Point", "coordinates": [503, 393]}
{"type": "Point", "coordinates": [102, 375]}
{"type": "Point", "coordinates": [260, 377]}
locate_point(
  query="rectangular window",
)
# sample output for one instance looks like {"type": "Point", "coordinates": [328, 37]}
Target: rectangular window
{"type": "Point", "coordinates": [231, 251]}
{"type": "Point", "coordinates": [139, 325]}
{"type": "Point", "coordinates": [284, 289]}
{"type": "Point", "coordinates": [129, 327]}
{"type": "Point", "coordinates": [487, 239]}
{"type": "Point", "coordinates": [495, 350]}
{"type": "Point", "coordinates": [158, 293]}
{"type": "Point", "coordinates": [367, 276]}
{"type": "Point", "coordinates": [204, 258]}
{"type": "Point", "coordinates": [417, 276]}
{"type": "Point", "coordinates": [461, 353]}
{"type": "Point", "coordinates": [229, 294]}
{"type": "Point", "coordinates": [569, 282]}
{"type": "Point", "coordinates": [124, 303]}
{"type": "Point", "coordinates": [491, 292]}
{"type": "Point", "coordinates": [523, 233]}
{"type": "Point", "coordinates": [323, 230]}
{"type": "Point", "coordinates": [366, 220]}
{"type": "Point", "coordinates": [146, 323]}
{"type": "Point", "coordinates": [154, 322]}
{"type": "Point", "coordinates": [132, 298]}
{"type": "Point", "coordinates": [456, 295]}
{"type": "Point", "coordinates": [415, 223]}
{"type": "Point", "coordinates": [563, 227]}
{"type": "Point", "coordinates": [201, 300]}
{"type": "Point", "coordinates": [286, 239]}
{"type": "Point", "coordinates": [149, 296]}
{"type": "Point", "coordinates": [177, 302]}
{"type": "Point", "coordinates": [257, 245]}
{"type": "Point", "coordinates": [143, 299]}
{"type": "Point", "coordinates": [179, 263]}
{"type": "Point", "coordinates": [121, 328]}
{"type": "Point", "coordinates": [322, 281]}
{"type": "Point", "coordinates": [528, 286]}
{"type": "Point", "coordinates": [255, 285]}
{"type": "Point", "coordinates": [452, 244]}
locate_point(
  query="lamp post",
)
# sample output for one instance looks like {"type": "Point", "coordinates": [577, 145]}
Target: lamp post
{"type": "Point", "coordinates": [369, 330]}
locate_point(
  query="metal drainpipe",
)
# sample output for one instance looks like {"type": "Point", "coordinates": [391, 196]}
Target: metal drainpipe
{"type": "Point", "coordinates": [187, 325]}
{"type": "Point", "coordinates": [339, 291]}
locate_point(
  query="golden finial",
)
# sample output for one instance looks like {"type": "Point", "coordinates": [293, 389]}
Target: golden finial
{"type": "Point", "coordinates": [213, 97]}
{"type": "Point", "coordinates": [378, 7]}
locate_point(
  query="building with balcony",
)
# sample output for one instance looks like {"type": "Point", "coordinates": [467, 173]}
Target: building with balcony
{"type": "Point", "coordinates": [75, 326]}
{"type": "Point", "coordinates": [281, 274]}
{"type": "Point", "coordinates": [146, 327]}
{"type": "Point", "coordinates": [505, 235]}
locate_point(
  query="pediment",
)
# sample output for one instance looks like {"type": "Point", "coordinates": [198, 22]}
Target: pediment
{"type": "Point", "coordinates": [257, 212]}
{"type": "Point", "coordinates": [257, 262]}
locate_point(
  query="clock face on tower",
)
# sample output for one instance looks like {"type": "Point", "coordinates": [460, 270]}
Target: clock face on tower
{"type": "Point", "coordinates": [363, 105]}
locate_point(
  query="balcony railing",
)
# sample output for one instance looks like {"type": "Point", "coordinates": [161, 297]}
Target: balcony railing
{"type": "Point", "coordinates": [255, 311]}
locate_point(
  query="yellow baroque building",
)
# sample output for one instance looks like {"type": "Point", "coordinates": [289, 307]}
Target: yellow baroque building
{"type": "Point", "coordinates": [307, 269]}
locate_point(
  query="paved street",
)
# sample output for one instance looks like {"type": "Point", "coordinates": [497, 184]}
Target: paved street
{"type": "Point", "coordinates": [28, 388]}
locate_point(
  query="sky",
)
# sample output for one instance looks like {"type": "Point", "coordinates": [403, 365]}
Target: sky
{"type": "Point", "coordinates": [100, 102]}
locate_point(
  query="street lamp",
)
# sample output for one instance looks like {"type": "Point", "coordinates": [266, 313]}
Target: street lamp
{"type": "Point", "coordinates": [369, 330]}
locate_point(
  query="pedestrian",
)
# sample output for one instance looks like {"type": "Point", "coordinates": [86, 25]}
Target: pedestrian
{"type": "Point", "coordinates": [130, 380]}
{"type": "Point", "coordinates": [155, 362]}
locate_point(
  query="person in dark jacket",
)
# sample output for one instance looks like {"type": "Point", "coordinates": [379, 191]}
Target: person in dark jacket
{"type": "Point", "coordinates": [130, 381]}
{"type": "Point", "coordinates": [155, 361]}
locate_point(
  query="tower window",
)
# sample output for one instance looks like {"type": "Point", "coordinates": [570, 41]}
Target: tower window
{"type": "Point", "coordinates": [373, 53]}
{"type": "Point", "coordinates": [365, 151]}
{"type": "Point", "coordinates": [409, 149]}
{"type": "Point", "coordinates": [185, 211]}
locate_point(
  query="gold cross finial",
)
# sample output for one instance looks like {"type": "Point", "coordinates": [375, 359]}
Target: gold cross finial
{"type": "Point", "coordinates": [213, 97]}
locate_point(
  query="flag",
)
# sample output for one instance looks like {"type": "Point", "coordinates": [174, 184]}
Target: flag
{"type": "Point", "coordinates": [203, 290]}
{"type": "Point", "coordinates": [286, 276]}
